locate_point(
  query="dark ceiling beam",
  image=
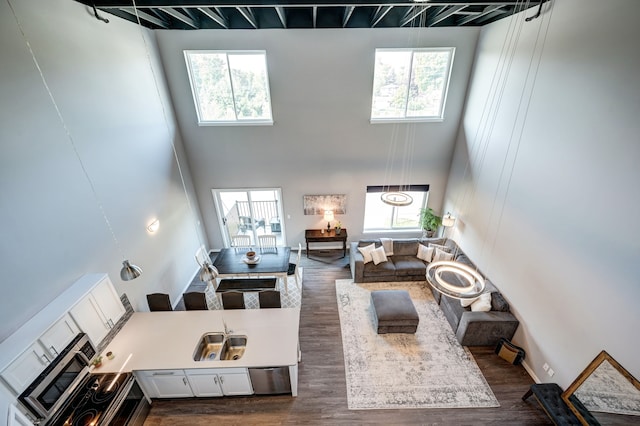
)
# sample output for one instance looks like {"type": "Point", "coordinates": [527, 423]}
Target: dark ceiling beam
{"type": "Point", "coordinates": [248, 15]}
{"type": "Point", "coordinates": [487, 10]}
{"type": "Point", "coordinates": [444, 15]}
{"type": "Point", "coordinates": [215, 16]}
{"type": "Point", "coordinates": [282, 16]}
{"type": "Point", "coordinates": [179, 16]}
{"type": "Point", "coordinates": [348, 11]}
{"type": "Point", "coordinates": [144, 16]}
{"type": "Point", "coordinates": [412, 14]}
{"type": "Point", "coordinates": [381, 12]}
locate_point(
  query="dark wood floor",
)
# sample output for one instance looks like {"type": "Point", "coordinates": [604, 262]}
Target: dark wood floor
{"type": "Point", "coordinates": [322, 397]}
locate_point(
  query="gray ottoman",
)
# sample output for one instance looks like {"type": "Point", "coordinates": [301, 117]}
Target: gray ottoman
{"type": "Point", "coordinates": [394, 312]}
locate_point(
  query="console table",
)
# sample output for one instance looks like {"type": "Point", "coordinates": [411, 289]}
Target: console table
{"type": "Point", "coordinates": [317, 236]}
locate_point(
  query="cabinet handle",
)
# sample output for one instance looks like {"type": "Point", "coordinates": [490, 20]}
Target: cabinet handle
{"type": "Point", "coordinates": [221, 380]}
{"type": "Point", "coordinates": [215, 380]}
{"type": "Point", "coordinates": [184, 380]}
{"type": "Point", "coordinates": [45, 359]}
{"type": "Point", "coordinates": [53, 350]}
{"type": "Point", "coordinates": [163, 373]}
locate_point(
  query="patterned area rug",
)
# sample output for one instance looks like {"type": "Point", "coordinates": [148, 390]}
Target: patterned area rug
{"type": "Point", "coordinates": [429, 369]}
{"type": "Point", "coordinates": [290, 297]}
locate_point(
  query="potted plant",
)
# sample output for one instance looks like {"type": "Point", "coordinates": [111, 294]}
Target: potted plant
{"type": "Point", "coordinates": [97, 362]}
{"type": "Point", "coordinates": [338, 228]}
{"type": "Point", "coordinates": [429, 221]}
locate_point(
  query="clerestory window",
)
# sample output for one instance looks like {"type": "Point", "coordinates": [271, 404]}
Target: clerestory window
{"type": "Point", "coordinates": [410, 84]}
{"type": "Point", "coordinates": [230, 87]}
{"type": "Point", "coordinates": [379, 216]}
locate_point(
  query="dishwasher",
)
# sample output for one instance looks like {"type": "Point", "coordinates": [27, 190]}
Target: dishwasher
{"type": "Point", "coordinates": [270, 381]}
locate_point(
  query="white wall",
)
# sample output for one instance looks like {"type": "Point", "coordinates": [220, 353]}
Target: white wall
{"type": "Point", "coordinates": [322, 141]}
{"type": "Point", "coordinates": [52, 228]}
{"type": "Point", "coordinates": [547, 207]}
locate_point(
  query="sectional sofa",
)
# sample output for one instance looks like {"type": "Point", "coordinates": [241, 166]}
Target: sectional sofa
{"type": "Point", "coordinates": [471, 326]}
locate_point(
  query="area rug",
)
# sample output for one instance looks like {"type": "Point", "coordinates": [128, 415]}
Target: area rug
{"type": "Point", "coordinates": [428, 369]}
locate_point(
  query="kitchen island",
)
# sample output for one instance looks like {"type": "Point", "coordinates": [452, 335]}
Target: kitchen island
{"type": "Point", "coordinates": [154, 341]}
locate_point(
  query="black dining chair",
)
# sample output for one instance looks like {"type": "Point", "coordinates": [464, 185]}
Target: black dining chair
{"type": "Point", "coordinates": [159, 302]}
{"type": "Point", "coordinates": [269, 299]}
{"type": "Point", "coordinates": [195, 301]}
{"type": "Point", "coordinates": [233, 300]}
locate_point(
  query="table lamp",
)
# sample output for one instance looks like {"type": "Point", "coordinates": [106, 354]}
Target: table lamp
{"type": "Point", "coordinates": [328, 216]}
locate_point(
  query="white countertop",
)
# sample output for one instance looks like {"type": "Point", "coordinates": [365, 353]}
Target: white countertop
{"type": "Point", "coordinates": [167, 340]}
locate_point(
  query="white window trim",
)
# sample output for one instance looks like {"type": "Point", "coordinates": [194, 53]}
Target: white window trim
{"type": "Point", "coordinates": [238, 122]}
{"type": "Point", "coordinates": [443, 102]}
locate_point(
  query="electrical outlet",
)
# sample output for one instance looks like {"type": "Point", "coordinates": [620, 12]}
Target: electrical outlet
{"type": "Point", "coordinates": [545, 367]}
{"type": "Point", "coordinates": [551, 372]}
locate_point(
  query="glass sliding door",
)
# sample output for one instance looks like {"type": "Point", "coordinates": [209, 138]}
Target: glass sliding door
{"type": "Point", "coordinates": [249, 212]}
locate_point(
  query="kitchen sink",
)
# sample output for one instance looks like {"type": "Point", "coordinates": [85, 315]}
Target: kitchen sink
{"type": "Point", "coordinates": [233, 348]}
{"type": "Point", "coordinates": [217, 347]}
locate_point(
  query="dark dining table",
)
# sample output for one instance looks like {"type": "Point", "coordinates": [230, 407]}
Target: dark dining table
{"type": "Point", "coordinates": [232, 262]}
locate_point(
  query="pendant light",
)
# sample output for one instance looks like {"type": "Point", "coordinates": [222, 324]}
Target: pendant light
{"type": "Point", "coordinates": [128, 271]}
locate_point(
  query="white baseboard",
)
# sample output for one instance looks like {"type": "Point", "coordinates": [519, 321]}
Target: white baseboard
{"type": "Point", "coordinates": [530, 371]}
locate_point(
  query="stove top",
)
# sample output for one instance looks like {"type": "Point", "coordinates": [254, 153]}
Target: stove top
{"type": "Point", "coordinates": [91, 400]}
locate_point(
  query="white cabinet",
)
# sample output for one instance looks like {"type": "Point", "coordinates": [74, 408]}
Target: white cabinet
{"type": "Point", "coordinates": [165, 383]}
{"type": "Point", "coordinates": [21, 372]}
{"type": "Point", "coordinates": [195, 382]}
{"type": "Point", "coordinates": [56, 338]}
{"type": "Point", "coordinates": [99, 311]}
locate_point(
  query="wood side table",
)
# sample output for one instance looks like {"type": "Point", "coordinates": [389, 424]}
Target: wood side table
{"type": "Point", "coordinates": [317, 236]}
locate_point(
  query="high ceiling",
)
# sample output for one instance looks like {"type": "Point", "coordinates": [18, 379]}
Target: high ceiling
{"type": "Point", "coordinates": [261, 14]}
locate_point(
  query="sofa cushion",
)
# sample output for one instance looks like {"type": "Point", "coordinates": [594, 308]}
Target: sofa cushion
{"type": "Point", "coordinates": [384, 268]}
{"type": "Point", "coordinates": [409, 265]}
{"type": "Point", "coordinates": [464, 259]}
{"type": "Point", "coordinates": [482, 303]}
{"type": "Point", "coordinates": [407, 247]}
{"type": "Point", "coordinates": [441, 247]}
{"type": "Point", "coordinates": [378, 255]}
{"type": "Point", "coordinates": [425, 253]}
{"type": "Point", "coordinates": [439, 255]}
{"type": "Point", "coordinates": [498, 303]}
{"type": "Point", "coordinates": [367, 252]}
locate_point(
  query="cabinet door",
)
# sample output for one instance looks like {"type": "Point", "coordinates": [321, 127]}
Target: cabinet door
{"type": "Point", "coordinates": [109, 302]}
{"type": "Point", "coordinates": [204, 384]}
{"type": "Point", "coordinates": [166, 384]}
{"type": "Point", "coordinates": [235, 384]}
{"type": "Point", "coordinates": [89, 317]}
{"type": "Point", "coordinates": [21, 372]}
{"type": "Point", "coordinates": [56, 338]}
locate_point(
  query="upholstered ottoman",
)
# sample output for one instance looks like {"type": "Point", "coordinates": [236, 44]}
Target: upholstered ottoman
{"type": "Point", "coordinates": [393, 312]}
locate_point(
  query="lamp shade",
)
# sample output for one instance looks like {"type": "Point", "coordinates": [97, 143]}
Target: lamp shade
{"type": "Point", "coordinates": [328, 215]}
{"type": "Point", "coordinates": [129, 272]}
{"type": "Point", "coordinates": [448, 220]}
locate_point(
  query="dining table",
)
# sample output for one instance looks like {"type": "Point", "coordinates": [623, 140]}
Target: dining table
{"type": "Point", "coordinates": [233, 263]}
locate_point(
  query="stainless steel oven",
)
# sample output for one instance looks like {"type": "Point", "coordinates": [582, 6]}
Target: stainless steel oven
{"type": "Point", "coordinates": [67, 394]}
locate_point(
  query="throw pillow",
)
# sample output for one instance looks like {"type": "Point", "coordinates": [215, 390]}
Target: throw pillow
{"type": "Point", "coordinates": [366, 252]}
{"type": "Point", "coordinates": [498, 303]}
{"type": "Point", "coordinates": [482, 303]}
{"type": "Point", "coordinates": [467, 302]}
{"type": "Point", "coordinates": [441, 255]}
{"type": "Point", "coordinates": [441, 247]}
{"type": "Point", "coordinates": [425, 253]}
{"type": "Point", "coordinates": [378, 255]}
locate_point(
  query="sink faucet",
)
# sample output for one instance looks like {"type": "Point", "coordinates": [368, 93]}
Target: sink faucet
{"type": "Point", "coordinates": [227, 332]}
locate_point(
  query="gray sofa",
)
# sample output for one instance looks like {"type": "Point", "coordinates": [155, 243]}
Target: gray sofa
{"type": "Point", "coordinates": [471, 328]}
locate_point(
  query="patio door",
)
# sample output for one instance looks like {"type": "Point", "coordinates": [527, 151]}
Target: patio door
{"type": "Point", "coordinates": [250, 212]}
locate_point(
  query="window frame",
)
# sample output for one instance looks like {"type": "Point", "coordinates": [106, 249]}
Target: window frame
{"type": "Point", "coordinates": [377, 189]}
{"type": "Point", "coordinates": [236, 122]}
{"type": "Point", "coordinates": [443, 100]}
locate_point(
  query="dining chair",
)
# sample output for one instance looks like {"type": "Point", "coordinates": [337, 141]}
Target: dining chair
{"type": "Point", "coordinates": [267, 242]}
{"type": "Point", "coordinates": [241, 242]}
{"type": "Point", "coordinates": [294, 268]}
{"type": "Point", "coordinates": [159, 302]}
{"type": "Point", "coordinates": [195, 301]}
{"type": "Point", "coordinates": [269, 299]}
{"type": "Point", "coordinates": [233, 300]}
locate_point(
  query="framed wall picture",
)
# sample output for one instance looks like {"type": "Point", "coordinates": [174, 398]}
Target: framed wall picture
{"type": "Point", "coordinates": [317, 204]}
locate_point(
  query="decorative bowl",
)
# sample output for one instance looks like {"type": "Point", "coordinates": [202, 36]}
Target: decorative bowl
{"type": "Point", "coordinates": [251, 255]}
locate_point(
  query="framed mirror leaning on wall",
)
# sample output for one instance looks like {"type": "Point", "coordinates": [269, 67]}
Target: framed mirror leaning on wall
{"type": "Point", "coordinates": [607, 390]}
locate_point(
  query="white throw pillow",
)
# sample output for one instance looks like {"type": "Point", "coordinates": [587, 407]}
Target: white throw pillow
{"type": "Point", "coordinates": [441, 247]}
{"type": "Point", "coordinates": [378, 255]}
{"type": "Point", "coordinates": [441, 255]}
{"type": "Point", "coordinates": [366, 252]}
{"type": "Point", "coordinates": [467, 302]}
{"type": "Point", "coordinates": [482, 303]}
{"type": "Point", "coordinates": [425, 253]}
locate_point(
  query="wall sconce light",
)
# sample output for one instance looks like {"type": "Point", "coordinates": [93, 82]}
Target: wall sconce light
{"type": "Point", "coordinates": [153, 226]}
{"type": "Point", "coordinates": [328, 216]}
